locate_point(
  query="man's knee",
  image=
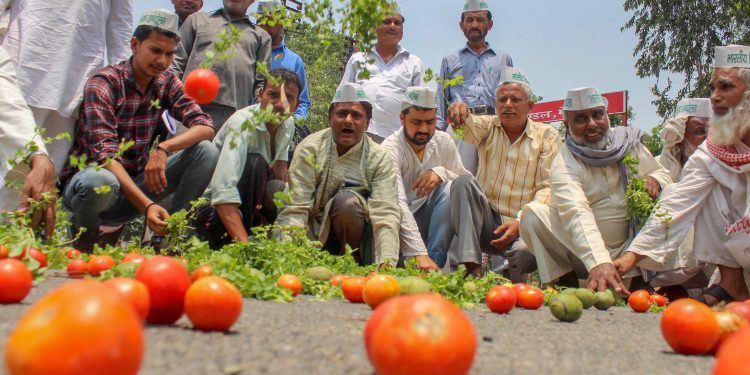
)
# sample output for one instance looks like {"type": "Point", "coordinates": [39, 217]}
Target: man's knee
{"type": "Point", "coordinates": [347, 206]}
{"type": "Point", "coordinates": [95, 184]}
{"type": "Point", "coordinates": [204, 152]}
{"type": "Point", "coordinates": [530, 221]}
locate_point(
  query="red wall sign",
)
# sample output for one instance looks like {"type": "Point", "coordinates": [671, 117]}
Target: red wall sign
{"type": "Point", "coordinates": [552, 111]}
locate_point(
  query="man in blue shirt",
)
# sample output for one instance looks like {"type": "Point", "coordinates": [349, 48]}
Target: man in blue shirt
{"type": "Point", "coordinates": [480, 65]}
{"type": "Point", "coordinates": [283, 57]}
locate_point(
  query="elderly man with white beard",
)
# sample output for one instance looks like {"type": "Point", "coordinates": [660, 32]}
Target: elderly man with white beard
{"type": "Point", "coordinates": [713, 193]}
{"type": "Point", "coordinates": [587, 225]}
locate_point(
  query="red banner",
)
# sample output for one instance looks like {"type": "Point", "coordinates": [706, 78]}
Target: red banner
{"type": "Point", "coordinates": [552, 111]}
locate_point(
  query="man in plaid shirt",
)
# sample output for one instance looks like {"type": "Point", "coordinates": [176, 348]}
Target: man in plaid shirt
{"type": "Point", "coordinates": [124, 103]}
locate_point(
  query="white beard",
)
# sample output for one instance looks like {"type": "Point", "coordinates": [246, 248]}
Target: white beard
{"type": "Point", "coordinates": [731, 128]}
{"type": "Point", "coordinates": [601, 145]}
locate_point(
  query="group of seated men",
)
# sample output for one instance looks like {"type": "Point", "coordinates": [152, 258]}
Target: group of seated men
{"type": "Point", "coordinates": [411, 197]}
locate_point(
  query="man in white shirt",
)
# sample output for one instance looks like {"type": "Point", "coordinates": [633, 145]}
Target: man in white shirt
{"type": "Point", "coordinates": [586, 225]}
{"type": "Point", "coordinates": [33, 171]}
{"type": "Point", "coordinates": [56, 45]}
{"type": "Point", "coordinates": [392, 71]}
{"type": "Point", "coordinates": [713, 195]}
{"type": "Point", "coordinates": [426, 162]}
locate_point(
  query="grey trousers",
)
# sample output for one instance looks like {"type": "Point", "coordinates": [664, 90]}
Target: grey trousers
{"type": "Point", "coordinates": [474, 223]}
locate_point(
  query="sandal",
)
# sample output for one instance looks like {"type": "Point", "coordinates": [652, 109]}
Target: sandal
{"type": "Point", "coordinates": [718, 292]}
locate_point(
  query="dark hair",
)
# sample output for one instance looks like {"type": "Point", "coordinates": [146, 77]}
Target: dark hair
{"type": "Point", "coordinates": [143, 32]}
{"type": "Point", "coordinates": [489, 16]}
{"type": "Point", "coordinates": [366, 105]}
{"type": "Point", "coordinates": [418, 108]}
{"type": "Point", "coordinates": [287, 76]}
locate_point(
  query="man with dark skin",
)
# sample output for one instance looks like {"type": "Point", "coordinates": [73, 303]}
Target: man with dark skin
{"type": "Point", "coordinates": [145, 174]}
{"type": "Point", "coordinates": [341, 183]}
{"type": "Point", "coordinates": [184, 8]}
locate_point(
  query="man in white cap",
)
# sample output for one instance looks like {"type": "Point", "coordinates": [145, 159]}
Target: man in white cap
{"type": "Point", "coordinates": [56, 45]}
{"type": "Point", "coordinates": [712, 195]}
{"type": "Point", "coordinates": [283, 57]}
{"type": "Point", "coordinates": [515, 154]}
{"type": "Point", "coordinates": [426, 162]}
{"type": "Point", "coordinates": [124, 102]}
{"type": "Point", "coordinates": [343, 185]}
{"type": "Point", "coordinates": [586, 225]}
{"type": "Point", "coordinates": [480, 65]}
{"type": "Point", "coordinates": [252, 165]}
{"type": "Point", "coordinates": [184, 8]}
{"type": "Point", "coordinates": [392, 71]}
{"type": "Point", "coordinates": [32, 169]}
{"type": "Point", "coordinates": [239, 79]}
{"type": "Point", "coordinates": [682, 134]}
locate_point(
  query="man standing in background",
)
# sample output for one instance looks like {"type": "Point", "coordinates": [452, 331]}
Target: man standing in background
{"type": "Point", "coordinates": [184, 8]}
{"type": "Point", "coordinates": [56, 45]}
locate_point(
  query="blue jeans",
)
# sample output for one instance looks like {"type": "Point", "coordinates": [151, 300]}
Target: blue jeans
{"type": "Point", "coordinates": [188, 173]}
{"type": "Point", "coordinates": [434, 222]}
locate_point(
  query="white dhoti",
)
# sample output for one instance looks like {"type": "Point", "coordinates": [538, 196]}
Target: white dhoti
{"type": "Point", "coordinates": [544, 234]}
{"type": "Point", "coordinates": [55, 124]}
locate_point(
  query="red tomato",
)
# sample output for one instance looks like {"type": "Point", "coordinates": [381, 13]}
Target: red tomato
{"type": "Point", "coordinates": [376, 318]}
{"type": "Point", "coordinates": [501, 299]}
{"type": "Point", "coordinates": [531, 298]}
{"type": "Point", "coordinates": [372, 274]}
{"type": "Point", "coordinates": [77, 268]}
{"type": "Point", "coordinates": [81, 328]}
{"type": "Point", "coordinates": [733, 354]}
{"type": "Point", "coordinates": [658, 300]}
{"type": "Point", "coordinates": [133, 292]}
{"type": "Point", "coordinates": [4, 251]}
{"type": "Point", "coordinates": [729, 324]}
{"type": "Point", "coordinates": [518, 288]}
{"type": "Point", "coordinates": [15, 281]}
{"type": "Point", "coordinates": [689, 327]}
{"type": "Point", "coordinates": [338, 279]}
{"type": "Point", "coordinates": [34, 253]}
{"type": "Point", "coordinates": [167, 281]}
{"type": "Point", "coordinates": [291, 282]}
{"type": "Point", "coordinates": [352, 288]}
{"type": "Point", "coordinates": [100, 263]}
{"type": "Point", "coordinates": [380, 288]}
{"type": "Point", "coordinates": [213, 304]}
{"type": "Point", "coordinates": [740, 308]}
{"type": "Point", "coordinates": [640, 301]}
{"type": "Point", "coordinates": [421, 334]}
{"type": "Point", "coordinates": [133, 258]}
{"type": "Point", "coordinates": [200, 272]}
{"type": "Point", "coordinates": [73, 253]}
{"type": "Point", "coordinates": [202, 85]}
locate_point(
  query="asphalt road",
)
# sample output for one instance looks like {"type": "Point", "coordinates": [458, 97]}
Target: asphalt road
{"type": "Point", "coordinates": [313, 337]}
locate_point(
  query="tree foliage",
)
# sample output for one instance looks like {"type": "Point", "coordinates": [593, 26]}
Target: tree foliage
{"type": "Point", "coordinates": [678, 37]}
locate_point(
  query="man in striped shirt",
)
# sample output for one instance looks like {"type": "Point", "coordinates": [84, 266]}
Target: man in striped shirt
{"type": "Point", "coordinates": [515, 154]}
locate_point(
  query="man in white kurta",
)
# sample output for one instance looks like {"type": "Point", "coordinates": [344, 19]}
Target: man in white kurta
{"type": "Point", "coordinates": [682, 134]}
{"type": "Point", "coordinates": [56, 45]}
{"type": "Point", "coordinates": [31, 170]}
{"type": "Point", "coordinates": [426, 161]}
{"type": "Point", "coordinates": [587, 225]}
{"type": "Point", "coordinates": [713, 193]}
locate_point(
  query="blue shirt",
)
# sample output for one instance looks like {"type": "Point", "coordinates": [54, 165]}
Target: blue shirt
{"type": "Point", "coordinates": [481, 74]}
{"type": "Point", "coordinates": [283, 57]}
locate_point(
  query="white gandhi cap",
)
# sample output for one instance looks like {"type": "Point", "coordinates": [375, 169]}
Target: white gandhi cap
{"type": "Point", "coordinates": [698, 107]}
{"type": "Point", "coordinates": [514, 75]}
{"type": "Point", "coordinates": [732, 56]}
{"type": "Point", "coordinates": [583, 98]}
{"type": "Point", "coordinates": [418, 96]}
{"type": "Point", "coordinates": [350, 92]}
{"type": "Point", "coordinates": [475, 5]}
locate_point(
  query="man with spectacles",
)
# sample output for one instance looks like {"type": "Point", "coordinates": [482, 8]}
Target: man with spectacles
{"type": "Point", "coordinates": [586, 225]}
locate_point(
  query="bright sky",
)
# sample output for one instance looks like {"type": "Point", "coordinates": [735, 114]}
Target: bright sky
{"type": "Point", "coordinates": [559, 44]}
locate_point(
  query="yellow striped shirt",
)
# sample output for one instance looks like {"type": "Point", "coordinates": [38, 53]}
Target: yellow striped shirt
{"type": "Point", "coordinates": [513, 175]}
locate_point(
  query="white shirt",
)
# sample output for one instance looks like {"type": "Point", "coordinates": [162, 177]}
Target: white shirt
{"type": "Point", "coordinates": [16, 131]}
{"type": "Point", "coordinates": [441, 156]}
{"type": "Point", "coordinates": [56, 45]}
{"type": "Point", "coordinates": [705, 182]}
{"type": "Point", "coordinates": [386, 86]}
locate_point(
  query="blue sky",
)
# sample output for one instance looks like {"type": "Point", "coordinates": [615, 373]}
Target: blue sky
{"type": "Point", "coordinates": [559, 44]}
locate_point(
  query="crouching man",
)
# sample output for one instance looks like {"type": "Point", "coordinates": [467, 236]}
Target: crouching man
{"type": "Point", "coordinates": [124, 102]}
{"type": "Point", "coordinates": [252, 164]}
{"type": "Point", "coordinates": [426, 162]}
{"type": "Point", "coordinates": [586, 226]}
{"type": "Point", "coordinates": [343, 185]}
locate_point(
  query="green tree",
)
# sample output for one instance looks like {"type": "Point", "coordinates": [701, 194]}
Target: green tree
{"type": "Point", "coordinates": [678, 37]}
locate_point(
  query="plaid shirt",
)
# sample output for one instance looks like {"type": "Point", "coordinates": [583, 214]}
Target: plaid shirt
{"type": "Point", "coordinates": [113, 110]}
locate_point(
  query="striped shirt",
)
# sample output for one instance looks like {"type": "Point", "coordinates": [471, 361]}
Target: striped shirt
{"type": "Point", "coordinates": [513, 175]}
